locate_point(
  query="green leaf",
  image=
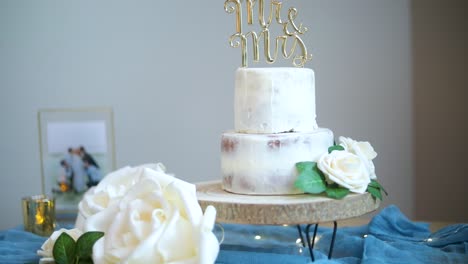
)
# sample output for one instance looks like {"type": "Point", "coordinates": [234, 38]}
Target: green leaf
{"type": "Point", "coordinates": [375, 192]}
{"type": "Point", "coordinates": [85, 261]}
{"type": "Point", "coordinates": [310, 179]}
{"type": "Point", "coordinates": [377, 185]}
{"type": "Point", "coordinates": [336, 192]}
{"type": "Point", "coordinates": [305, 165]}
{"type": "Point", "coordinates": [64, 249]}
{"type": "Point", "coordinates": [84, 245]}
{"type": "Point", "coordinates": [335, 147]}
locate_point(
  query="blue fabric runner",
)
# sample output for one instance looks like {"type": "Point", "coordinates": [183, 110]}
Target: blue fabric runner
{"type": "Point", "coordinates": [389, 238]}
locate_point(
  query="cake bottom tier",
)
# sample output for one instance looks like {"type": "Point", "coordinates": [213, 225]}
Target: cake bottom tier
{"type": "Point", "coordinates": [264, 164]}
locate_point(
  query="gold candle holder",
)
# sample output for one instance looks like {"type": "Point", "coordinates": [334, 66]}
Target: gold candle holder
{"type": "Point", "coordinates": [39, 214]}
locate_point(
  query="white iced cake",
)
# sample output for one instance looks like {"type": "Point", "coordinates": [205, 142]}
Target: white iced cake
{"type": "Point", "coordinates": [275, 128]}
{"type": "Point", "coordinates": [274, 100]}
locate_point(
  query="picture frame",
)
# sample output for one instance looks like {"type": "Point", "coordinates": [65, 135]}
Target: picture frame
{"type": "Point", "coordinates": [77, 150]}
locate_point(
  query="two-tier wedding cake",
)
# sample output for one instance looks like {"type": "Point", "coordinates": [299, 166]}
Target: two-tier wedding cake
{"type": "Point", "coordinates": [276, 147]}
{"type": "Point", "coordinates": [275, 127]}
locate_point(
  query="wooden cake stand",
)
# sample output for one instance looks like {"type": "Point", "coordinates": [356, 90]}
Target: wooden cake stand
{"type": "Point", "coordinates": [283, 209]}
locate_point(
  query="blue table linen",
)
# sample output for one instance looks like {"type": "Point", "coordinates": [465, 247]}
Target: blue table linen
{"type": "Point", "coordinates": [18, 246]}
{"type": "Point", "coordinates": [390, 237]}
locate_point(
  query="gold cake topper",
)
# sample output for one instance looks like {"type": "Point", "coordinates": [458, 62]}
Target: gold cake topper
{"type": "Point", "coordinates": [291, 31]}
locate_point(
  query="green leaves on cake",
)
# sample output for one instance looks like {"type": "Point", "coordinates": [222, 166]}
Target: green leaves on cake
{"type": "Point", "coordinates": [335, 147]}
{"type": "Point", "coordinates": [375, 189]}
{"type": "Point", "coordinates": [312, 180]}
{"type": "Point", "coordinates": [345, 168]}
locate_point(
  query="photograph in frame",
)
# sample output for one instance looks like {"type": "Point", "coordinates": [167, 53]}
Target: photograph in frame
{"type": "Point", "coordinates": [77, 151]}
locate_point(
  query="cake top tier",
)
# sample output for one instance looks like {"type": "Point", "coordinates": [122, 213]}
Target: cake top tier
{"type": "Point", "coordinates": [274, 100]}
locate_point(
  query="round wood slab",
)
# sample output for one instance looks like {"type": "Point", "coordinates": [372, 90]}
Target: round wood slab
{"type": "Point", "coordinates": [281, 209]}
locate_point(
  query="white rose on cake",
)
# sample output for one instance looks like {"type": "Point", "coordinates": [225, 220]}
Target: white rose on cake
{"type": "Point", "coordinates": [345, 169]}
{"type": "Point", "coordinates": [363, 150]}
{"type": "Point", "coordinates": [156, 220]}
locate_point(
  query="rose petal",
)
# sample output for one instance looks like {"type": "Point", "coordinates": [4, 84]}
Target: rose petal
{"type": "Point", "coordinates": [162, 178]}
{"type": "Point", "coordinates": [118, 177]}
{"type": "Point", "coordinates": [178, 234]}
{"type": "Point", "coordinates": [98, 251]}
{"type": "Point", "coordinates": [367, 150]}
{"type": "Point", "coordinates": [183, 195]}
{"type": "Point", "coordinates": [208, 248]}
{"type": "Point", "coordinates": [101, 220]}
{"type": "Point", "coordinates": [139, 218]}
{"type": "Point", "coordinates": [208, 243]}
{"type": "Point", "coordinates": [154, 166]}
{"type": "Point", "coordinates": [345, 169]}
{"type": "Point", "coordinates": [209, 219]}
{"type": "Point", "coordinates": [363, 150]}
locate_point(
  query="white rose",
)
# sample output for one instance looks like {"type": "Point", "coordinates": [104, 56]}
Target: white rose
{"type": "Point", "coordinates": [158, 220]}
{"type": "Point", "coordinates": [346, 169]}
{"type": "Point", "coordinates": [363, 150]}
{"type": "Point", "coordinates": [48, 246]}
{"type": "Point", "coordinates": [110, 190]}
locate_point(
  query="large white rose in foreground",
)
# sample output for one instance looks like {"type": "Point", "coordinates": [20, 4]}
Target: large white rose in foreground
{"type": "Point", "coordinates": [363, 150]}
{"type": "Point", "coordinates": [346, 169]}
{"type": "Point", "coordinates": [157, 220]}
{"type": "Point", "coordinates": [110, 190]}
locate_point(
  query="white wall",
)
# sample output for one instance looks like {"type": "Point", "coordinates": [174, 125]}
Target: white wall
{"type": "Point", "coordinates": [168, 73]}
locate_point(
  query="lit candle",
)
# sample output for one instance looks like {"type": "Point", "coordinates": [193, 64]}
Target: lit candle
{"type": "Point", "coordinates": [39, 214]}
